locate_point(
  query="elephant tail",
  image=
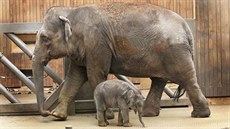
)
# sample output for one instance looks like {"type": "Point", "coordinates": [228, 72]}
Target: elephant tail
{"type": "Point", "coordinates": [178, 93]}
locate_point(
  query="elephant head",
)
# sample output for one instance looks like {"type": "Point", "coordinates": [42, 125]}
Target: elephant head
{"type": "Point", "coordinates": [136, 101]}
{"type": "Point", "coordinates": [51, 43]}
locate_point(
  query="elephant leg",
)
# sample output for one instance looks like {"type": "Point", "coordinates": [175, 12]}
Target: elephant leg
{"type": "Point", "coordinates": [109, 114]}
{"type": "Point", "coordinates": [98, 69]}
{"type": "Point", "coordinates": [198, 100]}
{"type": "Point", "coordinates": [182, 71]}
{"type": "Point", "coordinates": [125, 116]}
{"type": "Point", "coordinates": [101, 118]}
{"type": "Point", "coordinates": [74, 79]}
{"type": "Point", "coordinates": [152, 104]}
{"type": "Point", "coordinates": [120, 119]}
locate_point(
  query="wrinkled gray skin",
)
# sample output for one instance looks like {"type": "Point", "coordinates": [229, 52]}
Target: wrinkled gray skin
{"type": "Point", "coordinates": [138, 40]}
{"type": "Point", "coordinates": [117, 94]}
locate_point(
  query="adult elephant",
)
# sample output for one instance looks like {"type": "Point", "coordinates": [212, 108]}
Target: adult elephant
{"type": "Point", "coordinates": [138, 40]}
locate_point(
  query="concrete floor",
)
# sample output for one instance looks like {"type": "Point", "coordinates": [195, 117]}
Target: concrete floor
{"type": "Point", "coordinates": [170, 118]}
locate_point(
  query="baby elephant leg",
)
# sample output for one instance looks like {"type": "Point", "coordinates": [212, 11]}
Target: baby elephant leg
{"type": "Point", "coordinates": [102, 121]}
{"type": "Point", "coordinates": [125, 116]}
{"type": "Point", "coordinates": [120, 119]}
{"type": "Point", "coordinates": [109, 114]}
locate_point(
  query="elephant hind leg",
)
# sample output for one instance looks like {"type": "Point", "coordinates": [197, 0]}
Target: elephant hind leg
{"type": "Point", "coordinates": [182, 71]}
{"type": "Point", "coordinates": [198, 100]}
{"type": "Point", "coordinates": [152, 103]}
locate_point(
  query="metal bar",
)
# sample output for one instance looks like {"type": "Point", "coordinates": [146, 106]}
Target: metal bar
{"type": "Point", "coordinates": [166, 89]}
{"type": "Point", "coordinates": [124, 78]}
{"type": "Point", "coordinates": [51, 100]}
{"type": "Point", "coordinates": [20, 27]}
{"type": "Point", "coordinates": [18, 109]}
{"type": "Point", "coordinates": [8, 95]}
{"type": "Point", "coordinates": [29, 53]}
{"type": "Point", "coordinates": [17, 72]}
{"type": "Point", "coordinates": [53, 75]}
{"type": "Point", "coordinates": [169, 92]}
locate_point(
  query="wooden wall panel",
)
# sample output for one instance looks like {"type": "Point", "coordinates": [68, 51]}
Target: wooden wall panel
{"type": "Point", "coordinates": [212, 46]}
{"type": "Point", "coordinates": [12, 11]}
{"type": "Point", "coordinates": [34, 10]}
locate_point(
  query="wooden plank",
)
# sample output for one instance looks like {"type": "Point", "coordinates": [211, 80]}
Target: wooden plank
{"type": "Point", "coordinates": [214, 101]}
{"type": "Point", "coordinates": [27, 37]}
{"type": "Point", "coordinates": [224, 49]}
{"type": "Point", "coordinates": [202, 35]}
{"type": "Point", "coordinates": [212, 47]}
{"type": "Point", "coordinates": [205, 66]}
{"type": "Point", "coordinates": [228, 57]}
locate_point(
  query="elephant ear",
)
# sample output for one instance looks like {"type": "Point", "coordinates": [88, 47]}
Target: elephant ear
{"type": "Point", "coordinates": [130, 98]}
{"type": "Point", "coordinates": [68, 31]}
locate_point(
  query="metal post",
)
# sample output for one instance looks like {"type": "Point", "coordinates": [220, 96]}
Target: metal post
{"type": "Point", "coordinates": [28, 52]}
{"type": "Point", "coordinates": [8, 95]}
{"type": "Point", "coordinates": [166, 89]}
{"type": "Point", "coordinates": [124, 78]}
{"type": "Point", "coordinates": [169, 92]}
{"type": "Point", "coordinates": [17, 72]}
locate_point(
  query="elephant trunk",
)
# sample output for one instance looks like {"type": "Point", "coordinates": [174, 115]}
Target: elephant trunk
{"type": "Point", "coordinates": [38, 69]}
{"type": "Point", "coordinates": [140, 115]}
{"type": "Point", "coordinates": [140, 118]}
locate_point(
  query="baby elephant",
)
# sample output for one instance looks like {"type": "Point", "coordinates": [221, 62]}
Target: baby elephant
{"type": "Point", "coordinates": [118, 94]}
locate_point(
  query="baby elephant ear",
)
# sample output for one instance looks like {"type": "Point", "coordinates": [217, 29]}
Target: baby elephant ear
{"type": "Point", "coordinates": [68, 31]}
{"type": "Point", "coordinates": [130, 97]}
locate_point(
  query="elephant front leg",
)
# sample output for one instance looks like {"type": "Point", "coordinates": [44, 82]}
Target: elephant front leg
{"type": "Point", "coordinates": [152, 103]}
{"type": "Point", "coordinates": [102, 121]}
{"type": "Point", "coordinates": [120, 119]}
{"type": "Point", "coordinates": [125, 116]}
{"type": "Point", "coordinates": [74, 79]}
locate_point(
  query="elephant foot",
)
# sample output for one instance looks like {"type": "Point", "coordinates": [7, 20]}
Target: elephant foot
{"type": "Point", "coordinates": [59, 116]}
{"type": "Point", "coordinates": [120, 124]}
{"type": "Point", "coordinates": [60, 113]}
{"type": "Point", "coordinates": [127, 124]}
{"type": "Point", "coordinates": [103, 124]}
{"type": "Point", "coordinates": [106, 122]}
{"type": "Point", "coordinates": [150, 111]}
{"type": "Point", "coordinates": [201, 113]}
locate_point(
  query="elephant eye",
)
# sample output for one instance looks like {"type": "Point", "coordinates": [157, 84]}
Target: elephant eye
{"type": "Point", "coordinates": [45, 39]}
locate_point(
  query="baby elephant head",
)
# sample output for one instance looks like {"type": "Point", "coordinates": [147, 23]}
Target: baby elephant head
{"type": "Point", "coordinates": [135, 101]}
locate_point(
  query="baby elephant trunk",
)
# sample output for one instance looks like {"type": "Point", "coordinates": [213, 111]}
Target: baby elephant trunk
{"type": "Point", "coordinates": [140, 118]}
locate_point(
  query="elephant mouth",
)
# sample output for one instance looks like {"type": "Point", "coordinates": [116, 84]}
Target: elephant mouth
{"type": "Point", "coordinates": [46, 61]}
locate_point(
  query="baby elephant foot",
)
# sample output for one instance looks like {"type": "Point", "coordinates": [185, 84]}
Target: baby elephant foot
{"type": "Point", "coordinates": [201, 113]}
{"type": "Point", "coordinates": [103, 124]}
{"type": "Point", "coordinates": [127, 125]}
